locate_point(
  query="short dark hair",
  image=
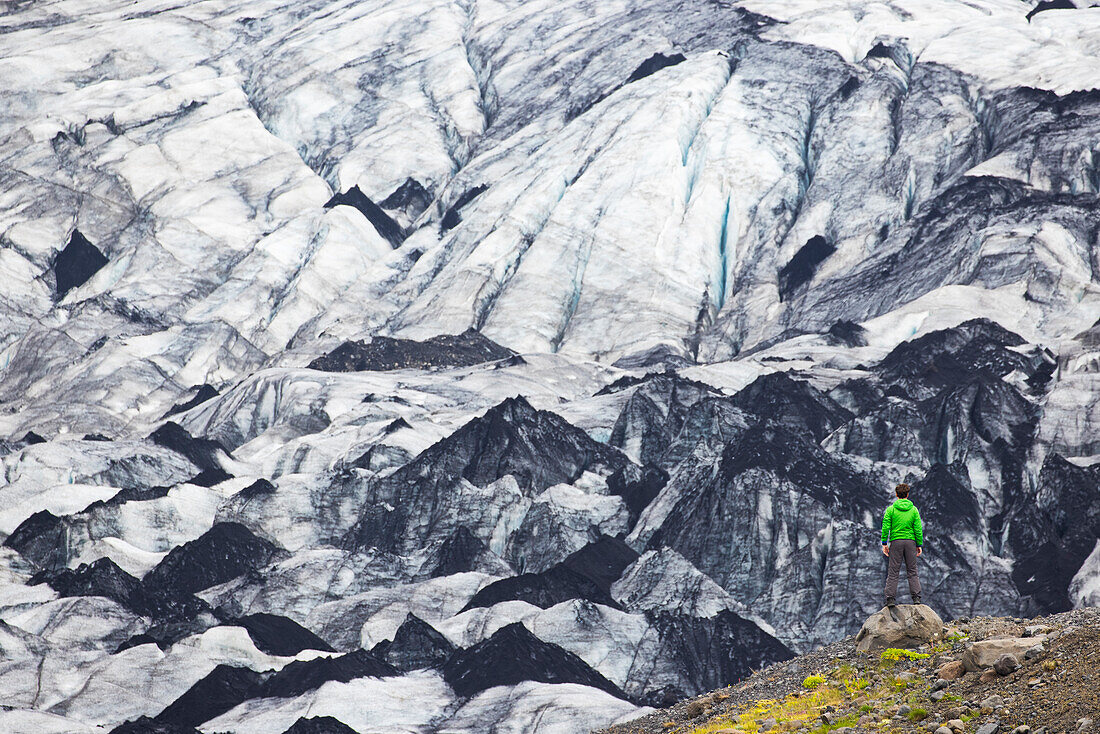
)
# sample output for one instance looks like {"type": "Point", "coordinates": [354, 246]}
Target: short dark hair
{"type": "Point", "coordinates": [902, 490]}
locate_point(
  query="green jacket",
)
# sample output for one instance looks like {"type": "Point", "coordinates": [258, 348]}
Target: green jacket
{"type": "Point", "coordinates": [902, 520]}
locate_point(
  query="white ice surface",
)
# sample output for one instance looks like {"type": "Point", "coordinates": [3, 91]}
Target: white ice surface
{"type": "Point", "coordinates": [540, 708]}
{"type": "Point", "coordinates": [405, 705]}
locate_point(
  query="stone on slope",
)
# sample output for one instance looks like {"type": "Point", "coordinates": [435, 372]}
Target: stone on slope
{"type": "Point", "coordinates": [1006, 664]}
{"type": "Point", "coordinates": [904, 626]}
{"type": "Point", "coordinates": [951, 670]}
{"type": "Point", "coordinates": [984, 654]}
{"type": "Point", "coordinates": [513, 655]}
{"type": "Point", "coordinates": [383, 353]}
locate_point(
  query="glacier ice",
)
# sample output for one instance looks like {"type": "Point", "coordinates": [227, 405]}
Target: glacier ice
{"type": "Point", "coordinates": [612, 322]}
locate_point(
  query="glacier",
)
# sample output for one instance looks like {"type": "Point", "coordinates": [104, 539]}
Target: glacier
{"type": "Point", "coordinates": [468, 365]}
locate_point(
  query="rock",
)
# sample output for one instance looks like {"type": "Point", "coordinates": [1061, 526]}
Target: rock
{"type": "Point", "coordinates": [904, 710]}
{"type": "Point", "coordinates": [1023, 729]}
{"type": "Point", "coordinates": [984, 654]}
{"type": "Point", "coordinates": [1034, 652]}
{"type": "Point", "coordinates": [943, 730]}
{"type": "Point", "coordinates": [989, 728]}
{"type": "Point", "coordinates": [956, 725]}
{"type": "Point", "coordinates": [952, 670]}
{"type": "Point", "coordinates": [988, 676]}
{"type": "Point", "coordinates": [695, 708]}
{"type": "Point", "coordinates": [993, 702]}
{"type": "Point", "coordinates": [940, 683]}
{"type": "Point", "coordinates": [937, 695]}
{"type": "Point", "coordinates": [1006, 664]}
{"type": "Point", "coordinates": [904, 626]}
{"type": "Point", "coordinates": [1084, 724]}
{"type": "Point", "coordinates": [1036, 630]}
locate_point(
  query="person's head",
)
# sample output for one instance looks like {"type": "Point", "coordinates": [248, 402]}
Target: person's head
{"type": "Point", "coordinates": [902, 491]}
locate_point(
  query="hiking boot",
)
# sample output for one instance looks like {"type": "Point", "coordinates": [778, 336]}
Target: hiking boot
{"type": "Point", "coordinates": [891, 603]}
{"type": "Point", "coordinates": [916, 599]}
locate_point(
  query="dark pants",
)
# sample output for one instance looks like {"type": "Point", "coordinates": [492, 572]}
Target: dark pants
{"type": "Point", "coordinates": [902, 551]}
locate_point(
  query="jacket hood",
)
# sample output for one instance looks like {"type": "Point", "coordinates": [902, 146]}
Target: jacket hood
{"type": "Point", "coordinates": [903, 505]}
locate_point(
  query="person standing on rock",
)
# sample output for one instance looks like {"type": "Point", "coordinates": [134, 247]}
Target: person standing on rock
{"type": "Point", "coordinates": [902, 538]}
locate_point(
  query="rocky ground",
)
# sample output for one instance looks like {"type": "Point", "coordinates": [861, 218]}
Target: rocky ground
{"type": "Point", "coordinates": [1054, 689]}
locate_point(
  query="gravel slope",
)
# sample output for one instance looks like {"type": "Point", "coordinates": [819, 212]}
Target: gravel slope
{"type": "Point", "coordinates": [1056, 691]}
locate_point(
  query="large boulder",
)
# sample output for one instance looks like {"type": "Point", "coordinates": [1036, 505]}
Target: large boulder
{"type": "Point", "coordinates": [905, 626]}
{"type": "Point", "coordinates": [984, 654]}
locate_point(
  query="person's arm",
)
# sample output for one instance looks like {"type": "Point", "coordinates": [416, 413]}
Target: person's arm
{"type": "Point", "coordinates": [918, 529]}
{"type": "Point", "coordinates": [886, 529]}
